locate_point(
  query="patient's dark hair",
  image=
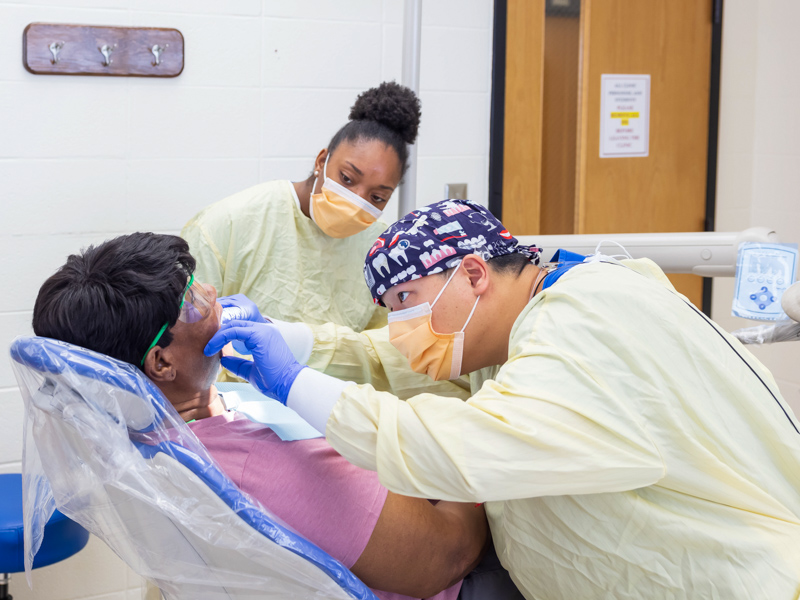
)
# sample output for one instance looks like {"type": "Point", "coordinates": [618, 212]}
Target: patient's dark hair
{"type": "Point", "coordinates": [389, 113]}
{"type": "Point", "coordinates": [113, 298]}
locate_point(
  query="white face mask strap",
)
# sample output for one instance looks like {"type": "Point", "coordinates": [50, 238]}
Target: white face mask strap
{"type": "Point", "coordinates": [474, 306]}
{"type": "Point", "coordinates": [316, 177]}
{"type": "Point", "coordinates": [439, 295]}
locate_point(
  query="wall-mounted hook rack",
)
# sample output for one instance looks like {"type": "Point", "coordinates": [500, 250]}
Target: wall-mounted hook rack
{"type": "Point", "coordinates": [59, 49]}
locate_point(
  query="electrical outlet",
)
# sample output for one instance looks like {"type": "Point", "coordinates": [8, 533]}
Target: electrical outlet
{"type": "Point", "coordinates": [455, 191]}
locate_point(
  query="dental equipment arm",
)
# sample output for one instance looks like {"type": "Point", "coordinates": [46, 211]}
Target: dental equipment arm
{"type": "Point", "coordinates": [708, 254]}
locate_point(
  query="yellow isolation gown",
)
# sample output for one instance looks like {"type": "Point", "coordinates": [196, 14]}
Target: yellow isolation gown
{"type": "Point", "coordinates": [628, 448]}
{"type": "Point", "coordinates": [260, 244]}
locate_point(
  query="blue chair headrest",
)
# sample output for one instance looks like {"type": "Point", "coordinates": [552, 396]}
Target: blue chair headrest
{"type": "Point", "coordinates": [142, 403]}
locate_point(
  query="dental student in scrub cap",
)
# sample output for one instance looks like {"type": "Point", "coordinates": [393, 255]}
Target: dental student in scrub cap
{"type": "Point", "coordinates": [624, 445]}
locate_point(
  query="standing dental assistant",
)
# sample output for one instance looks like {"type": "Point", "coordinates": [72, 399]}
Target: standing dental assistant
{"type": "Point", "coordinates": [296, 249]}
{"type": "Point", "coordinates": [626, 448]}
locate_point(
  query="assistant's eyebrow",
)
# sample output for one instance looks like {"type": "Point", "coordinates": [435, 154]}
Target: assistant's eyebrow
{"type": "Point", "coordinates": [357, 170]}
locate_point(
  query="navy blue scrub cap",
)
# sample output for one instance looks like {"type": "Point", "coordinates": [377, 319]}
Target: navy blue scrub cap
{"type": "Point", "coordinates": [435, 238]}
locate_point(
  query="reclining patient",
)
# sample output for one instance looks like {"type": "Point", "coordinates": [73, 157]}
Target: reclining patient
{"type": "Point", "coordinates": [131, 298]}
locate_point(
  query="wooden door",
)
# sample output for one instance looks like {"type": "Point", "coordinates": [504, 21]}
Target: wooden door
{"type": "Point", "coordinates": [670, 40]}
{"type": "Point", "coordinates": [554, 180]}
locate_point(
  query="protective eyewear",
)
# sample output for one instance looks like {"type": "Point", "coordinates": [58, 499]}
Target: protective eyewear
{"type": "Point", "coordinates": [196, 305]}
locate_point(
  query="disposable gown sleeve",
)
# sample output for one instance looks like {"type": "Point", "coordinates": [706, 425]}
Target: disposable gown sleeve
{"type": "Point", "coordinates": [369, 357]}
{"type": "Point", "coordinates": [543, 427]}
{"type": "Point", "coordinates": [209, 246]}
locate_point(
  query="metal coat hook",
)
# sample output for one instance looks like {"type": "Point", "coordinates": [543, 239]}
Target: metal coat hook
{"type": "Point", "coordinates": [55, 48]}
{"type": "Point", "coordinates": [157, 52]}
{"type": "Point", "coordinates": [106, 51]}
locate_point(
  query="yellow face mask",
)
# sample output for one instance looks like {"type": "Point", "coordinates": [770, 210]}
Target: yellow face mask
{"type": "Point", "coordinates": [339, 212]}
{"type": "Point", "coordinates": [438, 355]}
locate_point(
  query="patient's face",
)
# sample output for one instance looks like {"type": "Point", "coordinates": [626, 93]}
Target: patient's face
{"type": "Point", "coordinates": [196, 371]}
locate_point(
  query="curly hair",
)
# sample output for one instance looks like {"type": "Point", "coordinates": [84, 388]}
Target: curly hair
{"type": "Point", "coordinates": [113, 298]}
{"type": "Point", "coordinates": [389, 113]}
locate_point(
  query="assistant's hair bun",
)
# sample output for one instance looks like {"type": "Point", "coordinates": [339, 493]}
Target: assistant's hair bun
{"type": "Point", "coordinates": [392, 105]}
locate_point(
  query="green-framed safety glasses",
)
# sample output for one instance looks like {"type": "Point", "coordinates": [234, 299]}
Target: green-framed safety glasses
{"type": "Point", "coordinates": [195, 306]}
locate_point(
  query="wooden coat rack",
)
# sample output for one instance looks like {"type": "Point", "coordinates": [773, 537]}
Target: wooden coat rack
{"type": "Point", "coordinates": [58, 49]}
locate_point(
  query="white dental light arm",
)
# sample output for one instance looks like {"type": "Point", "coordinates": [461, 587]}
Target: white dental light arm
{"type": "Point", "coordinates": [709, 254]}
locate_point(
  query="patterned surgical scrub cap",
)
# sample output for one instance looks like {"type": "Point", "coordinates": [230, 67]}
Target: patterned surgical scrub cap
{"type": "Point", "coordinates": [434, 238]}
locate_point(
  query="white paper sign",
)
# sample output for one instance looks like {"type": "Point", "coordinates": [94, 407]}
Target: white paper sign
{"type": "Point", "coordinates": [625, 116]}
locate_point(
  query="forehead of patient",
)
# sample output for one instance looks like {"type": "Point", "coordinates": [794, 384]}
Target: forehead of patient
{"type": "Point", "coordinates": [114, 298]}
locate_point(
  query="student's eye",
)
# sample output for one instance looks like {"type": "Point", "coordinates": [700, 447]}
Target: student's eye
{"type": "Point", "coordinates": [378, 200]}
{"type": "Point", "coordinates": [346, 179]}
{"type": "Point", "coordinates": [401, 296]}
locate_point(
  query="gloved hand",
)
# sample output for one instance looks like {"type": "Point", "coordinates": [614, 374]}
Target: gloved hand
{"type": "Point", "coordinates": [298, 336]}
{"type": "Point", "coordinates": [273, 368]}
{"type": "Point", "coordinates": [239, 307]}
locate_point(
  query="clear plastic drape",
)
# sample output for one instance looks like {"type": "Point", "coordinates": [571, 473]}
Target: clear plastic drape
{"type": "Point", "coordinates": [103, 446]}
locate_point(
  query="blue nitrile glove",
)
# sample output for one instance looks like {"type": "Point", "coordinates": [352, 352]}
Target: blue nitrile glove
{"type": "Point", "coordinates": [239, 307]}
{"type": "Point", "coordinates": [273, 368]}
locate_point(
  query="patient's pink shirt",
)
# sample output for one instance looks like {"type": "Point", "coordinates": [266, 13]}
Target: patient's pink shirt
{"type": "Point", "coordinates": [305, 483]}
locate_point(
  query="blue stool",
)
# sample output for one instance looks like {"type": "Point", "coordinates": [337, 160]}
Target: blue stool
{"type": "Point", "coordinates": [62, 537]}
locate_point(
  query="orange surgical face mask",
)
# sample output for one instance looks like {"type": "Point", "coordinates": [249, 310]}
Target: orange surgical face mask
{"type": "Point", "coordinates": [338, 211]}
{"type": "Point", "coordinates": [436, 354]}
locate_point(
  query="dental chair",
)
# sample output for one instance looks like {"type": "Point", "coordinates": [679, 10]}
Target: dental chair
{"type": "Point", "coordinates": [104, 446]}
